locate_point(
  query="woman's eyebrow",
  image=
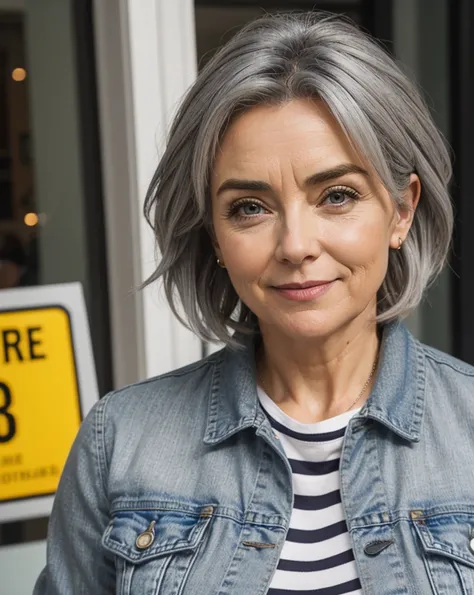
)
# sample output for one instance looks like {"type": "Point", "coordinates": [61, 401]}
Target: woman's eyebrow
{"type": "Point", "coordinates": [317, 178]}
{"type": "Point", "coordinates": [335, 172]}
{"type": "Point", "coordinates": [235, 184]}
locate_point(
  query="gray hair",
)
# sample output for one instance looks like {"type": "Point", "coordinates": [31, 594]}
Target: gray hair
{"type": "Point", "coordinates": [271, 61]}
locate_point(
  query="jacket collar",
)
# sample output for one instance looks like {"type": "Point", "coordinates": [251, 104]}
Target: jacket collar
{"type": "Point", "coordinates": [396, 400]}
{"type": "Point", "coordinates": [233, 405]}
{"type": "Point", "coordinates": [398, 396]}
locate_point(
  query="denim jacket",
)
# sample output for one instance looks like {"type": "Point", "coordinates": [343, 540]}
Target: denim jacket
{"type": "Point", "coordinates": [178, 485]}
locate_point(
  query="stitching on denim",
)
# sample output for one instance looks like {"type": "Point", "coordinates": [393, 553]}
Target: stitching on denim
{"type": "Point", "coordinates": [99, 428]}
{"type": "Point", "coordinates": [189, 369]}
{"type": "Point", "coordinates": [460, 577]}
{"type": "Point", "coordinates": [439, 359]}
{"type": "Point", "coordinates": [193, 559]}
{"type": "Point", "coordinates": [268, 451]}
{"type": "Point", "coordinates": [213, 400]}
{"type": "Point", "coordinates": [231, 569]}
{"type": "Point", "coordinates": [426, 564]}
{"type": "Point", "coordinates": [245, 521]}
{"type": "Point", "coordinates": [420, 404]}
{"type": "Point", "coordinates": [459, 509]}
{"type": "Point", "coordinates": [252, 517]}
{"type": "Point", "coordinates": [404, 516]}
{"type": "Point", "coordinates": [161, 576]}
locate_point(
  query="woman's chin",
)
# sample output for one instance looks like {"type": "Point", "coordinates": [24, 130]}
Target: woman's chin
{"type": "Point", "coordinates": [303, 325]}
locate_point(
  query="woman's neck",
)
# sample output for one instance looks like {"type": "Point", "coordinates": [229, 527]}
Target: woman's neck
{"type": "Point", "coordinates": [315, 379]}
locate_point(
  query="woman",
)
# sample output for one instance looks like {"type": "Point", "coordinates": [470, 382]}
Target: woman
{"type": "Point", "coordinates": [301, 209]}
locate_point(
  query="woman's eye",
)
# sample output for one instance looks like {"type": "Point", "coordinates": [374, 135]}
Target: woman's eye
{"type": "Point", "coordinates": [338, 198]}
{"type": "Point", "coordinates": [251, 209]}
{"type": "Point", "coordinates": [247, 209]}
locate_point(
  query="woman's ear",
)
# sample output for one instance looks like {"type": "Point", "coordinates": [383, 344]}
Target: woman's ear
{"type": "Point", "coordinates": [406, 213]}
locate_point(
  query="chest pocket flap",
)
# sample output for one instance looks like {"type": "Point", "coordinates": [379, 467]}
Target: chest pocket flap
{"type": "Point", "coordinates": [447, 534]}
{"type": "Point", "coordinates": [138, 535]}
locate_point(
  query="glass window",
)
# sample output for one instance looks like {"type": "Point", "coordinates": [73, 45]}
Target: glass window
{"type": "Point", "coordinates": [51, 216]}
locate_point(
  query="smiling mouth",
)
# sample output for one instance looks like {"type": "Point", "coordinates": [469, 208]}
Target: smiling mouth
{"type": "Point", "coordinates": [304, 285]}
{"type": "Point", "coordinates": [304, 292]}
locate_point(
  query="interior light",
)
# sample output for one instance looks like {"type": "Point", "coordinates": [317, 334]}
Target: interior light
{"type": "Point", "coordinates": [31, 219]}
{"type": "Point", "coordinates": [19, 74]}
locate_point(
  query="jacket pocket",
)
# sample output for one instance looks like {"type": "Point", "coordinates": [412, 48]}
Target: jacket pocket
{"type": "Point", "coordinates": [446, 539]}
{"type": "Point", "coordinates": [154, 548]}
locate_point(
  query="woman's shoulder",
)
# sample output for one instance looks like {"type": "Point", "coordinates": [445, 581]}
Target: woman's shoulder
{"type": "Point", "coordinates": [151, 414]}
{"type": "Point", "coordinates": [444, 363]}
{"type": "Point", "coordinates": [448, 375]}
{"type": "Point", "coordinates": [163, 391]}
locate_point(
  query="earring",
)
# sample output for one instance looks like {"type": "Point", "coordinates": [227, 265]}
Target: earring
{"type": "Point", "coordinates": [220, 263]}
{"type": "Point", "coordinates": [400, 242]}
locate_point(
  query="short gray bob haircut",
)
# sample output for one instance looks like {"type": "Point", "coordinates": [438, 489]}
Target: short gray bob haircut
{"type": "Point", "coordinates": [271, 61]}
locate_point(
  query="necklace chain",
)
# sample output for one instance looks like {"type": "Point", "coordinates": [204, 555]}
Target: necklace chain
{"type": "Point", "coordinates": [366, 384]}
{"type": "Point", "coordinates": [363, 388]}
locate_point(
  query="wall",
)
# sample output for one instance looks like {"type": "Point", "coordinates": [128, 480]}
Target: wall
{"type": "Point", "coordinates": [421, 45]}
{"type": "Point", "coordinates": [12, 5]}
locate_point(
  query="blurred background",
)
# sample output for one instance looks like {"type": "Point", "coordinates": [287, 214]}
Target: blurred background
{"type": "Point", "coordinates": [87, 90]}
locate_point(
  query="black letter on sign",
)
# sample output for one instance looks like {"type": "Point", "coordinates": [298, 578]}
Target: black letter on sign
{"type": "Point", "coordinates": [32, 342]}
{"type": "Point", "coordinates": [7, 344]}
{"type": "Point", "coordinates": [11, 425]}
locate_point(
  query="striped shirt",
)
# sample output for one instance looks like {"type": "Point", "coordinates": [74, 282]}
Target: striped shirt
{"type": "Point", "coordinates": [317, 557]}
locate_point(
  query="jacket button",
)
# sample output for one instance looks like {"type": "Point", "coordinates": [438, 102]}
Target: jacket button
{"type": "Point", "coordinates": [374, 548]}
{"type": "Point", "coordinates": [471, 541]}
{"type": "Point", "coordinates": [145, 539]}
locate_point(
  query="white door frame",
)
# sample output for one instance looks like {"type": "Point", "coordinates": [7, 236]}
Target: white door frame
{"type": "Point", "coordinates": [146, 59]}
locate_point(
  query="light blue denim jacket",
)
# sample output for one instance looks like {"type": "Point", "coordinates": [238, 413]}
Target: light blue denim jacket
{"type": "Point", "coordinates": [190, 457]}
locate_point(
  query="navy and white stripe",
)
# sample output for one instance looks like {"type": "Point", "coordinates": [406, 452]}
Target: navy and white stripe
{"type": "Point", "coordinates": [317, 557]}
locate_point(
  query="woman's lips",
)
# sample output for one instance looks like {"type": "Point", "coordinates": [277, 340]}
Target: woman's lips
{"type": "Point", "coordinates": [304, 294]}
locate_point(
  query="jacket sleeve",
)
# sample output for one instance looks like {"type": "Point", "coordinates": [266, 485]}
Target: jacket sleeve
{"type": "Point", "coordinates": [76, 561]}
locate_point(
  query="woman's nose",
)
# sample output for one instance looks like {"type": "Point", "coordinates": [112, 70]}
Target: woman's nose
{"type": "Point", "coordinates": [298, 238]}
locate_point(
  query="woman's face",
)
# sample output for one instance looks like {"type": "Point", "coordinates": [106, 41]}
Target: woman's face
{"type": "Point", "coordinates": [293, 205]}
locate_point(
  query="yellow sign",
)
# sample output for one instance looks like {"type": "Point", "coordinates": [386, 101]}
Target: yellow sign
{"type": "Point", "coordinates": [40, 410]}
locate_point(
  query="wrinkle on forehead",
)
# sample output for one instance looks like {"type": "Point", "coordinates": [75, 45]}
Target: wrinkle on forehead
{"type": "Point", "coordinates": [290, 141]}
